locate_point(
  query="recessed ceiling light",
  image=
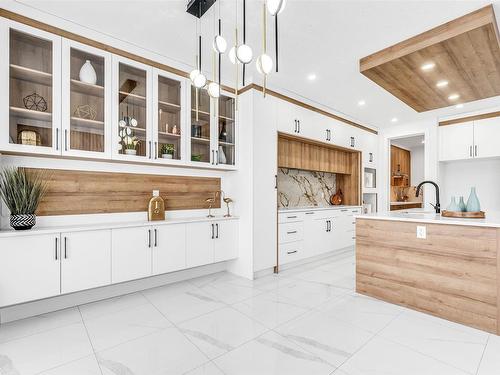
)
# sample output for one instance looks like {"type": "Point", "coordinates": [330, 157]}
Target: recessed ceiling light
{"type": "Point", "coordinates": [428, 66]}
{"type": "Point", "coordinates": [311, 77]}
{"type": "Point", "coordinates": [442, 83]}
{"type": "Point", "coordinates": [453, 97]}
{"type": "Point", "coordinates": [361, 103]}
{"type": "Point", "coordinates": [459, 106]}
{"type": "Point", "coordinates": [394, 119]}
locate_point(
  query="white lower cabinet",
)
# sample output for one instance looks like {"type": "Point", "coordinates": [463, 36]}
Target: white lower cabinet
{"type": "Point", "coordinates": [85, 260]}
{"type": "Point", "coordinates": [31, 268]}
{"type": "Point", "coordinates": [169, 248]}
{"type": "Point", "coordinates": [131, 253]}
{"type": "Point", "coordinates": [226, 240]}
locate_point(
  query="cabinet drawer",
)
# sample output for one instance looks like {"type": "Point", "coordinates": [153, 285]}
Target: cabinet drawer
{"type": "Point", "coordinates": [284, 217]}
{"type": "Point", "coordinates": [289, 232]}
{"type": "Point", "coordinates": [291, 251]}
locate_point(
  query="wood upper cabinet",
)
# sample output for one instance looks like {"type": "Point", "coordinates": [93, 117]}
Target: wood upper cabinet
{"type": "Point", "coordinates": [31, 268]}
{"type": "Point", "coordinates": [31, 89]}
{"type": "Point", "coordinates": [400, 166]}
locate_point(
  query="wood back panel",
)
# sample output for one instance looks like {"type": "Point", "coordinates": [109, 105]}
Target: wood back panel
{"type": "Point", "coordinates": [81, 192]}
{"type": "Point", "coordinates": [452, 274]}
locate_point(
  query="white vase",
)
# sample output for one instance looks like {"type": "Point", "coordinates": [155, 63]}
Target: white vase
{"type": "Point", "coordinates": [222, 156]}
{"type": "Point", "coordinates": [88, 73]}
{"type": "Point", "coordinates": [167, 156]}
{"type": "Point", "coordinates": [129, 151]}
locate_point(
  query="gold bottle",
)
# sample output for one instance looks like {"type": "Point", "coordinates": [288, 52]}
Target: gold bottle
{"type": "Point", "coordinates": [156, 209]}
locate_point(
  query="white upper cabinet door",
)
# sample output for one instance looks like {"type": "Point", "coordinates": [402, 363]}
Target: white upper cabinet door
{"type": "Point", "coordinates": [486, 137]}
{"type": "Point", "coordinates": [169, 117]}
{"type": "Point", "coordinates": [30, 77]}
{"type": "Point", "coordinates": [31, 268]}
{"type": "Point", "coordinates": [226, 240]}
{"type": "Point", "coordinates": [200, 238]}
{"type": "Point", "coordinates": [456, 141]}
{"type": "Point", "coordinates": [131, 253]}
{"type": "Point", "coordinates": [132, 120]}
{"type": "Point", "coordinates": [86, 101]}
{"type": "Point", "coordinates": [85, 260]}
{"type": "Point", "coordinates": [287, 118]}
{"type": "Point", "coordinates": [169, 248]}
{"type": "Point", "coordinates": [369, 147]}
{"type": "Point", "coordinates": [226, 132]}
{"type": "Point", "coordinates": [342, 134]}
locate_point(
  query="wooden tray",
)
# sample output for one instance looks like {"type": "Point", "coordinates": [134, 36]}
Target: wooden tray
{"type": "Point", "coordinates": [464, 215]}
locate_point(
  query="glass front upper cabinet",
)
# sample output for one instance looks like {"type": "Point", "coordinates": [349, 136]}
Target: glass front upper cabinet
{"type": "Point", "coordinates": [86, 116]}
{"type": "Point", "coordinates": [168, 144]}
{"type": "Point", "coordinates": [132, 113]}
{"type": "Point", "coordinates": [201, 126]}
{"type": "Point", "coordinates": [226, 131]}
{"type": "Point", "coordinates": [33, 87]}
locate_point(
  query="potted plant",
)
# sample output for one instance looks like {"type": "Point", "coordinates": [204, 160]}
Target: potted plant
{"type": "Point", "coordinates": [22, 192]}
{"type": "Point", "coordinates": [130, 145]}
{"type": "Point", "coordinates": [167, 151]}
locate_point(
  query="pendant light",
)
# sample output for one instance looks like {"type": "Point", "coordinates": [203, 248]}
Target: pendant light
{"type": "Point", "coordinates": [275, 7]}
{"type": "Point", "coordinates": [213, 88]}
{"type": "Point", "coordinates": [197, 77]}
{"type": "Point", "coordinates": [264, 62]}
{"type": "Point", "coordinates": [232, 55]}
{"type": "Point", "coordinates": [244, 53]}
{"type": "Point", "coordinates": [220, 44]}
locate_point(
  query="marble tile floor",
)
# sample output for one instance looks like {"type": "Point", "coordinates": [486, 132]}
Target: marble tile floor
{"type": "Point", "coordinates": [306, 321]}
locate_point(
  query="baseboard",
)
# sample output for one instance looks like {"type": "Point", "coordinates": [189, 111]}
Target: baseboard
{"type": "Point", "coordinates": [26, 310]}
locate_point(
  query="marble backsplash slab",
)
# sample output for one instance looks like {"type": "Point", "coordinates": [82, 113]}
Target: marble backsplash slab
{"type": "Point", "coordinates": [298, 188]}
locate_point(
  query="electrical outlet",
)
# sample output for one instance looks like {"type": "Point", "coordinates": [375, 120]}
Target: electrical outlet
{"type": "Point", "coordinates": [421, 232]}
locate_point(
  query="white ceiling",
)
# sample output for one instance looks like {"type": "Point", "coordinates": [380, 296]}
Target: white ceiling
{"type": "Point", "coordinates": [326, 38]}
{"type": "Point", "coordinates": [409, 143]}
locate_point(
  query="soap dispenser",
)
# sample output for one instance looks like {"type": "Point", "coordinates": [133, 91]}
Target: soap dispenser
{"type": "Point", "coordinates": [156, 209]}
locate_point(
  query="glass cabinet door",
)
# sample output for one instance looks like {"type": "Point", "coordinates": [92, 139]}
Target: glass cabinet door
{"type": "Point", "coordinates": [226, 131]}
{"type": "Point", "coordinates": [133, 137]}
{"type": "Point", "coordinates": [87, 75]}
{"type": "Point", "coordinates": [200, 126]}
{"type": "Point", "coordinates": [34, 80]}
{"type": "Point", "coordinates": [169, 125]}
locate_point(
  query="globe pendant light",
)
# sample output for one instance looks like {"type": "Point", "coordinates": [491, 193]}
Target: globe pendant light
{"type": "Point", "coordinates": [213, 90]}
{"type": "Point", "coordinates": [232, 55]}
{"type": "Point", "coordinates": [244, 54]}
{"type": "Point", "coordinates": [194, 73]}
{"type": "Point", "coordinates": [200, 81]}
{"type": "Point", "coordinates": [275, 7]}
{"type": "Point", "coordinates": [197, 77]}
{"type": "Point", "coordinates": [220, 44]}
{"type": "Point", "coordinates": [264, 64]}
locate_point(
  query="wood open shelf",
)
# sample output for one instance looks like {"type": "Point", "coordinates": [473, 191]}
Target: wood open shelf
{"type": "Point", "coordinates": [226, 118]}
{"type": "Point", "coordinates": [201, 140]}
{"type": "Point", "coordinates": [222, 143]}
{"type": "Point", "coordinates": [30, 75]}
{"type": "Point", "coordinates": [83, 122]}
{"type": "Point", "coordinates": [31, 114]}
{"type": "Point", "coordinates": [134, 99]}
{"type": "Point", "coordinates": [169, 107]}
{"type": "Point", "coordinates": [200, 112]}
{"type": "Point", "coordinates": [87, 88]}
{"type": "Point", "coordinates": [169, 135]}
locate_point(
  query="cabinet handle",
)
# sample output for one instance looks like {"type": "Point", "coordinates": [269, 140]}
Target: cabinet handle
{"type": "Point", "coordinates": [298, 122]}
{"type": "Point", "coordinates": [352, 141]}
{"type": "Point", "coordinates": [344, 210]}
{"type": "Point", "coordinates": [275, 181]}
{"type": "Point", "coordinates": [65, 247]}
{"type": "Point", "coordinates": [149, 238]}
{"type": "Point", "coordinates": [291, 252]}
{"type": "Point", "coordinates": [150, 151]}
{"type": "Point", "coordinates": [470, 151]}
{"type": "Point", "coordinates": [371, 157]}
{"type": "Point", "coordinates": [217, 227]}
{"type": "Point", "coordinates": [216, 157]}
{"type": "Point", "coordinates": [156, 237]}
{"type": "Point", "coordinates": [475, 150]}
{"type": "Point", "coordinates": [56, 249]}
{"type": "Point", "coordinates": [327, 225]}
{"type": "Point", "coordinates": [291, 232]}
{"type": "Point", "coordinates": [291, 217]}
{"type": "Point", "coordinates": [57, 138]}
{"type": "Point", "coordinates": [213, 234]}
{"type": "Point", "coordinates": [65, 139]}
{"type": "Point", "coordinates": [156, 150]}
{"type": "Point", "coordinates": [213, 157]}
{"type": "Point", "coordinates": [309, 213]}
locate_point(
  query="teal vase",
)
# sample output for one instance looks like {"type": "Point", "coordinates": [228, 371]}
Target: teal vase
{"type": "Point", "coordinates": [461, 205]}
{"type": "Point", "coordinates": [473, 201]}
{"type": "Point", "coordinates": [453, 206]}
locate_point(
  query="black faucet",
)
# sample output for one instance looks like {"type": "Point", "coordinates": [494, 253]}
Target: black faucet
{"type": "Point", "coordinates": [437, 206]}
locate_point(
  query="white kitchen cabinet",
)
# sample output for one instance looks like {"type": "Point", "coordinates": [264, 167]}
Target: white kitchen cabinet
{"type": "Point", "coordinates": [226, 240]}
{"type": "Point", "coordinates": [85, 260]}
{"type": "Point", "coordinates": [31, 268]}
{"type": "Point", "coordinates": [199, 243]}
{"type": "Point", "coordinates": [169, 248]}
{"type": "Point", "coordinates": [486, 137]}
{"type": "Point", "coordinates": [456, 142]}
{"type": "Point", "coordinates": [30, 77]}
{"type": "Point", "coordinates": [287, 117]}
{"type": "Point", "coordinates": [131, 253]}
{"type": "Point", "coordinates": [86, 106]}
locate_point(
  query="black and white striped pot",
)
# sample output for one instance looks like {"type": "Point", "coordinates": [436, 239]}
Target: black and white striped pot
{"type": "Point", "coordinates": [22, 221]}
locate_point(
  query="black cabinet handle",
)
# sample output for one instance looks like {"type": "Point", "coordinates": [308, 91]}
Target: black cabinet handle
{"type": "Point", "coordinates": [156, 150]}
{"type": "Point", "coordinates": [309, 213]}
{"type": "Point", "coordinates": [296, 129]}
{"type": "Point", "coordinates": [291, 232]}
{"type": "Point", "coordinates": [65, 139]}
{"type": "Point", "coordinates": [216, 157]}
{"type": "Point", "coordinates": [291, 217]}
{"type": "Point", "coordinates": [56, 248]}
{"type": "Point", "coordinates": [213, 157]}
{"type": "Point", "coordinates": [275, 181]}
{"type": "Point", "coordinates": [470, 151]}
{"type": "Point", "coordinates": [156, 237]}
{"type": "Point", "coordinates": [65, 247]}
{"type": "Point", "coordinates": [57, 140]}
{"type": "Point", "coordinates": [371, 157]}
{"type": "Point", "coordinates": [149, 238]}
{"type": "Point", "coordinates": [150, 151]}
{"type": "Point", "coordinates": [298, 122]}
{"type": "Point", "coordinates": [352, 141]}
{"type": "Point", "coordinates": [217, 226]}
{"type": "Point", "coordinates": [291, 252]}
{"type": "Point", "coordinates": [213, 233]}
{"type": "Point", "coordinates": [475, 150]}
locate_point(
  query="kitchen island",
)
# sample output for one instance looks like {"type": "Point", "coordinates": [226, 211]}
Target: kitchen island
{"type": "Point", "coordinates": [446, 267]}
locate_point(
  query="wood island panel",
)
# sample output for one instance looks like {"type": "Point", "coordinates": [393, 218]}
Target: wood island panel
{"type": "Point", "coordinates": [452, 274]}
{"type": "Point", "coordinates": [81, 192]}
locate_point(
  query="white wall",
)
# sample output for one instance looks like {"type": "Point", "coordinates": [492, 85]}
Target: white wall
{"type": "Point", "coordinates": [456, 179]}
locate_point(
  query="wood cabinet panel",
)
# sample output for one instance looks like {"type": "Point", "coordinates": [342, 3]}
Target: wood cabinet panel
{"type": "Point", "coordinates": [453, 273]}
{"type": "Point", "coordinates": [400, 166]}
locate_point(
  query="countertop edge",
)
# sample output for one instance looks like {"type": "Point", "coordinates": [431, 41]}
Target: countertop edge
{"type": "Point", "coordinates": [290, 210]}
{"type": "Point", "coordinates": [441, 220]}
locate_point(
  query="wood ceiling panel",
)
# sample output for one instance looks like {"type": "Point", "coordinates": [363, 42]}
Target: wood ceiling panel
{"type": "Point", "coordinates": [465, 52]}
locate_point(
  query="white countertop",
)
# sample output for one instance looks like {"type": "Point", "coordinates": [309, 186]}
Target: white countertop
{"type": "Point", "coordinates": [313, 208]}
{"type": "Point", "coordinates": [492, 219]}
{"type": "Point", "coordinates": [96, 226]}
